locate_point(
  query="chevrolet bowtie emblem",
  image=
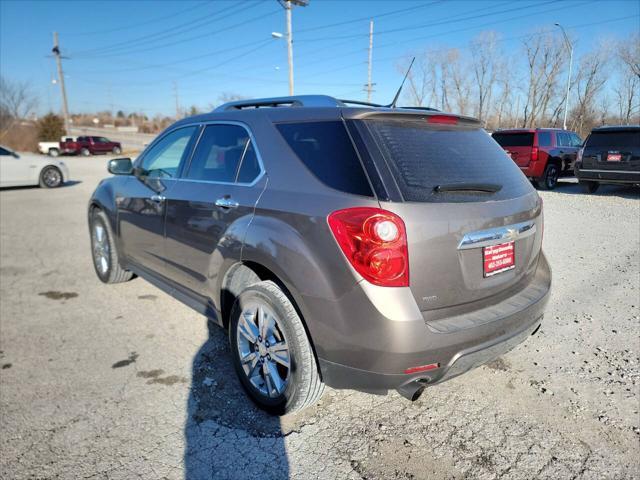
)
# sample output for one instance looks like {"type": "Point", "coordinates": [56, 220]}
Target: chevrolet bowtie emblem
{"type": "Point", "coordinates": [512, 233]}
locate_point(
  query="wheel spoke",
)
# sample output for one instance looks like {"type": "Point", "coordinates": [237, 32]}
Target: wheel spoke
{"type": "Point", "coordinates": [281, 359]}
{"type": "Point", "coordinates": [248, 329]}
{"type": "Point", "coordinates": [255, 369]}
{"type": "Point", "coordinates": [275, 377]}
{"type": "Point", "coordinates": [267, 377]}
{"type": "Point", "coordinates": [249, 357]}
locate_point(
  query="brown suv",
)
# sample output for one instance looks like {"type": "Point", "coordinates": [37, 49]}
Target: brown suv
{"type": "Point", "coordinates": [543, 154]}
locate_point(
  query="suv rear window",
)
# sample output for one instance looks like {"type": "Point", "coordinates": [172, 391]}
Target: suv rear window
{"type": "Point", "coordinates": [615, 140]}
{"type": "Point", "coordinates": [422, 157]}
{"type": "Point", "coordinates": [326, 150]}
{"type": "Point", "coordinates": [523, 139]}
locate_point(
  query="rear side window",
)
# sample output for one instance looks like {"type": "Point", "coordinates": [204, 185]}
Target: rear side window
{"type": "Point", "coordinates": [544, 139]}
{"type": "Point", "coordinates": [221, 151]}
{"type": "Point", "coordinates": [326, 149]}
{"type": "Point", "coordinates": [514, 139]}
{"type": "Point", "coordinates": [620, 140]}
{"type": "Point", "coordinates": [422, 157]}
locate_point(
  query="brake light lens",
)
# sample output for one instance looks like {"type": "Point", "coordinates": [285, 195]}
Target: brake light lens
{"type": "Point", "coordinates": [579, 157]}
{"type": "Point", "coordinates": [375, 243]}
{"type": "Point", "coordinates": [443, 119]}
{"type": "Point", "coordinates": [534, 154]}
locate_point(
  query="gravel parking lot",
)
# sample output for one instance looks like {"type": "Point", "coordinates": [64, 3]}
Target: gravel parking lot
{"type": "Point", "coordinates": [125, 382]}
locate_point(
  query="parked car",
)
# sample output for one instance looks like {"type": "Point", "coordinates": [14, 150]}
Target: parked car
{"type": "Point", "coordinates": [28, 169]}
{"type": "Point", "coordinates": [91, 146]}
{"type": "Point", "coordinates": [367, 248]}
{"type": "Point", "coordinates": [610, 155]}
{"type": "Point", "coordinates": [543, 154]}
{"type": "Point", "coordinates": [54, 149]}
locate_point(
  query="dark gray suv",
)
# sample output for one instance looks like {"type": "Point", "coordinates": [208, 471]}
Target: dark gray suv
{"type": "Point", "coordinates": [360, 247]}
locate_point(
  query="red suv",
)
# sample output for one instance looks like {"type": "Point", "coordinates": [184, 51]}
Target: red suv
{"type": "Point", "coordinates": [90, 146]}
{"type": "Point", "coordinates": [543, 154]}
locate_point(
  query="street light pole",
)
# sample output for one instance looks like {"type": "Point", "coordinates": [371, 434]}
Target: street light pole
{"type": "Point", "coordinates": [570, 47]}
{"type": "Point", "coordinates": [288, 5]}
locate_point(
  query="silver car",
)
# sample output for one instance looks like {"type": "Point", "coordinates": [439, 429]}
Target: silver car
{"type": "Point", "coordinates": [359, 247]}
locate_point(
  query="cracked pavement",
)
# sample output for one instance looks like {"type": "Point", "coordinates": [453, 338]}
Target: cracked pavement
{"type": "Point", "coordinates": [122, 381]}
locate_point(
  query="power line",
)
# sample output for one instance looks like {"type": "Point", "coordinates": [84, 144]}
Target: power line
{"type": "Point", "coordinates": [163, 34]}
{"type": "Point", "coordinates": [137, 25]}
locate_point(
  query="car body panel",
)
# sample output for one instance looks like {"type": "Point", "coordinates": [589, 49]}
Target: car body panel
{"type": "Point", "coordinates": [25, 170]}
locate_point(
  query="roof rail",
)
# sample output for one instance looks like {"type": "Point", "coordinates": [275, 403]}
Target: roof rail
{"type": "Point", "coordinates": [293, 101]}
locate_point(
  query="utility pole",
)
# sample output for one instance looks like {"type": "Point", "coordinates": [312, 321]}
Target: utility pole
{"type": "Point", "coordinates": [65, 107]}
{"type": "Point", "coordinates": [288, 6]}
{"type": "Point", "coordinates": [369, 84]}
{"type": "Point", "coordinates": [175, 93]}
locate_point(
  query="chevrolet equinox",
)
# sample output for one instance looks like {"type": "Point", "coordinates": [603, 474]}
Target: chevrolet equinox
{"type": "Point", "coordinates": [339, 243]}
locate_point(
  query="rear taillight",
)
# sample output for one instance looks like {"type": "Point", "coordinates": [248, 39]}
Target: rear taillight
{"type": "Point", "coordinates": [443, 119]}
{"type": "Point", "coordinates": [579, 156]}
{"type": "Point", "coordinates": [375, 243]}
{"type": "Point", "coordinates": [541, 219]}
{"type": "Point", "coordinates": [534, 154]}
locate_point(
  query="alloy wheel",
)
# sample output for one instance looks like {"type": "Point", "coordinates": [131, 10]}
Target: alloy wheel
{"type": "Point", "coordinates": [51, 177]}
{"type": "Point", "coordinates": [100, 248]}
{"type": "Point", "coordinates": [263, 350]}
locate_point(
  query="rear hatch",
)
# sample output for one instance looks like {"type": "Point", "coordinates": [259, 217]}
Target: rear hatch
{"type": "Point", "coordinates": [460, 196]}
{"type": "Point", "coordinates": [518, 145]}
{"type": "Point", "coordinates": [613, 149]}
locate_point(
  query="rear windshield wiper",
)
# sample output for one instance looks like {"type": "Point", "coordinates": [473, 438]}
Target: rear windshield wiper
{"type": "Point", "coordinates": [468, 187]}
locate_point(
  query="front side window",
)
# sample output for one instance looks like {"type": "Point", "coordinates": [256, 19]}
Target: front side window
{"type": "Point", "coordinates": [226, 154]}
{"type": "Point", "coordinates": [544, 139]}
{"type": "Point", "coordinates": [163, 158]}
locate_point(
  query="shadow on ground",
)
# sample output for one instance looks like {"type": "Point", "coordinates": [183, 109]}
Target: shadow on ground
{"type": "Point", "coordinates": [68, 183]}
{"type": "Point", "coordinates": [622, 191]}
{"type": "Point", "coordinates": [227, 436]}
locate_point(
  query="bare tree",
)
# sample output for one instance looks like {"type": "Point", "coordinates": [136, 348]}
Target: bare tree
{"type": "Point", "coordinates": [485, 60]}
{"type": "Point", "coordinates": [629, 52]}
{"type": "Point", "coordinates": [589, 83]}
{"type": "Point", "coordinates": [16, 102]}
{"type": "Point", "coordinates": [628, 85]}
{"type": "Point", "coordinates": [545, 58]}
{"type": "Point", "coordinates": [460, 82]}
{"type": "Point", "coordinates": [419, 80]}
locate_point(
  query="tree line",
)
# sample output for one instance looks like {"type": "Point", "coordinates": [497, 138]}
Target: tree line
{"type": "Point", "coordinates": [527, 88]}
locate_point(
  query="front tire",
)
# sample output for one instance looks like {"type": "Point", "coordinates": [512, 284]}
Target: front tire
{"type": "Point", "coordinates": [549, 179]}
{"type": "Point", "coordinates": [54, 152]}
{"type": "Point", "coordinates": [104, 251]}
{"type": "Point", "coordinates": [116, 150]}
{"type": "Point", "coordinates": [50, 177]}
{"type": "Point", "coordinates": [85, 152]}
{"type": "Point", "coordinates": [589, 186]}
{"type": "Point", "coordinates": [271, 351]}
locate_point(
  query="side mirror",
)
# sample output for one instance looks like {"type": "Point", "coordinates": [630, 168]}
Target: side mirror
{"type": "Point", "coordinates": [15, 155]}
{"type": "Point", "coordinates": [120, 166]}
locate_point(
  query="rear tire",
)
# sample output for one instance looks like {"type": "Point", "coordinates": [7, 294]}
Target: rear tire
{"type": "Point", "coordinates": [85, 152]}
{"type": "Point", "coordinates": [50, 177]}
{"type": "Point", "coordinates": [54, 152]}
{"type": "Point", "coordinates": [106, 261]}
{"type": "Point", "coordinates": [589, 186]}
{"type": "Point", "coordinates": [549, 179]}
{"type": "Point", "coordinates": [271, 384]}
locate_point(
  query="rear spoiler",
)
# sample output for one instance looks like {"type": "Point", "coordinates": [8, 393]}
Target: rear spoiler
{"type": "Point", "coordinates": [432, 117]}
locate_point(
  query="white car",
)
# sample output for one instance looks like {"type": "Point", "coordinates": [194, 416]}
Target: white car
{"type": "Point", "coordinates": [29, 169]}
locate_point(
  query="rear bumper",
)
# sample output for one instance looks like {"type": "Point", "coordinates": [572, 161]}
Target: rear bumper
{"type": "Point", "coordinates": [607, 175]}
{"type": "Point", "coordinates": [456, 344]}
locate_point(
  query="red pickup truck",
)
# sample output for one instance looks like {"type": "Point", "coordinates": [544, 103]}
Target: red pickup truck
{"type": "Point", "coordinates": [90, 146]}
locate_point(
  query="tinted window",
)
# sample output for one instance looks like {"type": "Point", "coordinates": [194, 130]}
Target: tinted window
{"type": "Point", "coordinates": [164, 157]}
{"type": "Point", "coordinates": [577, 141]}
{"type": "Point", "coordinates": [219, 154]}
{"type": "Point", "coordinates": [326, 149]}
{"type": "Point", "coordinates": [422, 157]}
{"type": "Point", "coordinates": [616, 140]}
{"type": "Point", "coordinates": [564, 140]}
{"type": "Point", "coordinates": [514, 139]}
{"type": "Point", "coordinates": [544, 139]}
{"type": "Point", "coordinates": [4, 152]}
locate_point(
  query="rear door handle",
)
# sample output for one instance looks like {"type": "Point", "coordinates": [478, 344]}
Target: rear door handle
{"type": "Point", "coordinates": [158, 198]}
{"type": "Point", "coordinates": [226, 203]}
